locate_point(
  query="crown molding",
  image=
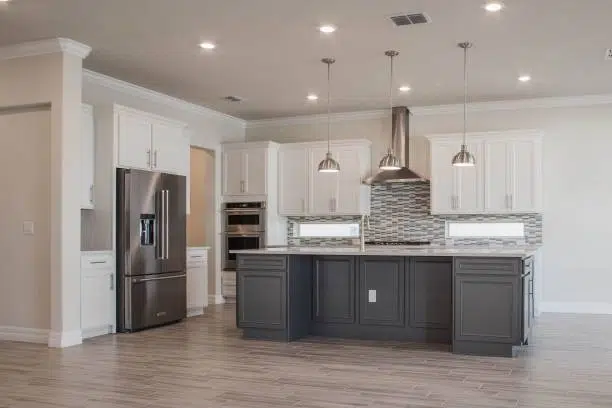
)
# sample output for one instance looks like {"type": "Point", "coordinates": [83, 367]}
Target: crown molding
{"type": "Point", "coordinates": [118, 85]}
{"type": "Point", "coordinates": [310, 119]}
{"type": "Point", "coordinates": [43, 47]}
{"type": "Point", "coordinates": [519, 104]}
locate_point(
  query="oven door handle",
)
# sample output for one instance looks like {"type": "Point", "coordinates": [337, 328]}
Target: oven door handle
{"type": "Point", "coordinates": [240, 212]}
{"type": "Point", "coordinates": [231, 234]}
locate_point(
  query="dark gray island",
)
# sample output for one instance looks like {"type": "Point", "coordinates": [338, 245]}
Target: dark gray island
{"type": "Point", "coordinates": [479, 302]}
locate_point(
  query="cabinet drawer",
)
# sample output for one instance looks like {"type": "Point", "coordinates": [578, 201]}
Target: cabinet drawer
{"type": "Point", "coordinates": [97, 260]}
{"type": "Point", "coordinates": [487, 266]}
{"type": "Point", "coordinates": [277, 263]}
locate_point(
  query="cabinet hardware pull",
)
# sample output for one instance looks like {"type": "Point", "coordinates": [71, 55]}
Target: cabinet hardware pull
{"type": "Point", "coordinates": [91, 195]}
{"type": "Point", "coordinates": [303, 205]}
{"type": "Point", "coordinates": [511, 201]}
{"type": "Point", "coordinates": [148, 157]}
{"type": "Point", "coordinates": [155, 158]}
{"type": "Point", "coordinates": [112, 282]}
{"type": "Point", "coordinates": [96, 262]}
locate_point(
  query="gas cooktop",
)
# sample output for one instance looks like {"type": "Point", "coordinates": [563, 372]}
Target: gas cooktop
{"type": "Point", "coordinates": [398, 243]}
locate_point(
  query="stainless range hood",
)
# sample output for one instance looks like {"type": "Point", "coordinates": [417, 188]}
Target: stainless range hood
{"type": "Point", "coordinates": [399, 142]}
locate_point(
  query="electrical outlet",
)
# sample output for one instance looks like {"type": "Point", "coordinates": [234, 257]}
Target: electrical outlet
{"type": "Point", "coordinates": [609, 54]}
{"type": "Point", "coordinates": [28, 228]}
{"type": "Point", "coordinates": [372, 296]}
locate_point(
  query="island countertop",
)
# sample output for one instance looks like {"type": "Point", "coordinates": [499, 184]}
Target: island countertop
{"type": "Point", "coordinates": [433, 250]}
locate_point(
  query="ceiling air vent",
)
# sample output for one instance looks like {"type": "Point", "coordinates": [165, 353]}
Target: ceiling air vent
{"type": "Point", "coordinates": [232, 98]}
{"type": "Point", "coordinates": [410, 19]}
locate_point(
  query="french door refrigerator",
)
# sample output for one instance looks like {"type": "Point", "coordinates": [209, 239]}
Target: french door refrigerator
{"type": "Point", "coordinates": [151, 249]}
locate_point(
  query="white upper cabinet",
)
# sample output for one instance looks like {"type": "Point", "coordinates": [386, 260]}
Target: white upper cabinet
{"type": "Point", "coordinates": [507, 177]}
{"type": "Point", "coordinates": [247, 170]}
{"type": "Point", "coordinates": [304, 191]}
{"type": "Point", "coordinates": [293, 180]}
{"type": "Point", "coordinates": [150, 142]}
{"type": "Point", "coordinates": [134, 141]}
{"type": "Point", "coordinates": [455, 189]}
{"type": "Point", "coordinates": [87, 157]}
{"type": "Point", "coordinates": [323, 187]}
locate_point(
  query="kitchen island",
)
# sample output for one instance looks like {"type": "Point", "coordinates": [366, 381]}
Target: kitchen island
{"type": "Point", "coordinates": [477, 300]}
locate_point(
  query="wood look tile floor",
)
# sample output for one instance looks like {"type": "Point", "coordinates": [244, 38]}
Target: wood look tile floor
{"type": "Point", "coordinates": [203, 362]}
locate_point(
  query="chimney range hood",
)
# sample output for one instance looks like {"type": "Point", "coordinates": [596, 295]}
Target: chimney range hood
{"type": "Point", "coordinates": [399, 142]}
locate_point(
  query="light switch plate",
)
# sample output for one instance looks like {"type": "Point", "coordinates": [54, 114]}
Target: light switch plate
{"type": "Point", "coordinates": [28, 228]}
{"type": "Point", "coordinates": [372, 296]}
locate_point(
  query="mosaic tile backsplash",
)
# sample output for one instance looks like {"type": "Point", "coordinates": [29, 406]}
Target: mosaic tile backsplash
{"type": "Point", "coordinates": [400, 212]}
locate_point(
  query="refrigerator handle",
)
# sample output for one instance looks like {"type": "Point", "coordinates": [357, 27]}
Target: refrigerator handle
{"type": "Point", "coordinates": [160, 226]}
{"type": "Point", "coordinates": [167, 227]}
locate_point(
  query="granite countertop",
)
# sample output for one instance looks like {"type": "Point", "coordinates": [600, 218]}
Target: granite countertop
{"type": "Point", "coordinates": [433, 250]}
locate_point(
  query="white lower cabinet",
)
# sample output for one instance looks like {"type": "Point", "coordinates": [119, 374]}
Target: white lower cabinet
{"type": "Point", "coordinates": [97, 293]}
{"type": "Point", "coordinates": [304, 191]}
{"type": "Point", "coordinates": [197, 280]}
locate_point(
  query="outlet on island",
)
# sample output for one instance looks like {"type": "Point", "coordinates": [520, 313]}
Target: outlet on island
{"type": "Point", "coordinates": [372, 296]}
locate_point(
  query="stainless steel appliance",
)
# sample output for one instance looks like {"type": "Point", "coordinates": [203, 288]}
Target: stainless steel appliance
{"type": "Point", "coordinates": [244, 229]}
{"type": "Point", "coordinates": [151, 249]}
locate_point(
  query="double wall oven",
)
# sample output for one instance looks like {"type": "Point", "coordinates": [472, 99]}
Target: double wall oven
{"type": "Point", "coordinates": [244, 228]}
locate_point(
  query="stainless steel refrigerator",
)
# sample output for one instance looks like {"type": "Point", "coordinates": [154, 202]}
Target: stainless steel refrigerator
{"type": "Point", "coordinates": [151, 249]}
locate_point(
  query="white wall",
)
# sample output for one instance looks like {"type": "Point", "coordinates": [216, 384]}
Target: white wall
{"type": "Point", "coordinates": [25, 159]}
{"type": "Point", "coordinates": [207, 129]}
{"type": "Point", "coordinates": [54, 77]}
{"type": "Point", "coordinates": [577, 189]}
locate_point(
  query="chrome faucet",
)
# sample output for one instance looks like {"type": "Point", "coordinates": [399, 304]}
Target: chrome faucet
{"type": "Point", "coordinates": [365, 223]}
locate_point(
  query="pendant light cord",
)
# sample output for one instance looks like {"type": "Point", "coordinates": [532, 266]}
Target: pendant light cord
{"type": "Point", "coordinates": [328, 107]}
{"type": "Point", "coordinates": [465, 94]}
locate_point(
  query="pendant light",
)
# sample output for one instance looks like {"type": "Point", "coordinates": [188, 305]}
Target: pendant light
{"type": "Point", "coordinates": [464, 158]}
{"type": "Point", "coordinates": [390, 160]}
{"type": "Point", "coordinates": [328, 165]}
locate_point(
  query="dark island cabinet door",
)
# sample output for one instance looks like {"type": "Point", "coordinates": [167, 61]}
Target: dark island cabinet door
{"type": "Point", "coordinates": [381, 291]}
{"type": "Point", "coordinates": [262, 299]}
{"type": "Point", "coordinates": [487, 308]}
{"type": "Point", "coordinates": [430, 292]}
{"type": "Point", "coordinates": [334, 289]}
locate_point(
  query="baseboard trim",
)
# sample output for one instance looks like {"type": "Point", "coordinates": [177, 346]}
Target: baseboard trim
{"type": "Point", "coordinates": [96, 331]}
{"type": "Point", "coordinates": [65, 339]}
{"type": "Point", "coordinates": [23, 334]}
{"type": "Point", "coordinates": [195, 311]}
{"type": "Point", "coordinates": [218, 299]}
{"type": "Point", "coordinates": [576, 307]}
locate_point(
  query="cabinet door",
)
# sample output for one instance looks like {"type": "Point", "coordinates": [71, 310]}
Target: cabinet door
{"type": "Point", "coordinates": [97, 295]}
{"type": "Point", "coordinates": [334, 289]}
{"type": "Point", "coordinates": [381, 291]}
{"type": "Point", "coordinates": [134, 141]}
{"type": "Point", "coordinates": [497, 176]}
{"type": "Point", "coordinates": [87, 157]}
{"type": "Point", "coordinates": [323, 188]}
{"type": "Point", "coordinates": [292, 181]}
{"type": "Point", "coordinates": [256, 171]}
{"type": "Point", "coordinates": [525, 194]}
{"type": "Point", "coordinates": [170, 149]}
{"type": "Point", "coordinates": [348, 194]}
{"type": "Point", "coordinates": [430, 285]}
{"type": "Point", "coordinates": [443, 178]}
{"type": "Point", "coordinates": [262, 299]}
{"type": "Point", "coordinates": [469, 188]}
{"type": "Point", "coordinates": [196, 287]}
{"type": "Point", "coordinates": [233, 174]}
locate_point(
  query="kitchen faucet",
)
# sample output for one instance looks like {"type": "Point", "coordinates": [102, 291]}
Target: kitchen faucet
{"type": "Point", "coordinates": [365, 222]}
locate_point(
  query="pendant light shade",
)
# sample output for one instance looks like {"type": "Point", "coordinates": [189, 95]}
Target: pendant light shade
{"type": "Point", "coordinates": [328, 165]}
{"type": "Point", "coordinates": [390, 160]}
{"type": "Point", "coordinates": [464, 158]}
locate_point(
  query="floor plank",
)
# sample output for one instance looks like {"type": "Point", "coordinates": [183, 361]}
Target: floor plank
{"type": "Point", "coordinates": [203, 362]}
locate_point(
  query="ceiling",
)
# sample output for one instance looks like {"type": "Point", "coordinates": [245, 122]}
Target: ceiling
{"type": "Point", "coordinates": [268, 51]}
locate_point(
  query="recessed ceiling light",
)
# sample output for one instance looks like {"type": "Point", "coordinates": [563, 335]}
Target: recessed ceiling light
{"type": "Point", "coordinates": [312, 97]}
{"type": "Point", "coordinates": [404, 88]}
{"type": "Point", "coordinates": [524, 78]}
{"type": "Point", "coordinates": [494, 6]}
{"type": "Point", "coordinates": [327, 29]}
{"type": "Point", "coordinates": [207, 45]}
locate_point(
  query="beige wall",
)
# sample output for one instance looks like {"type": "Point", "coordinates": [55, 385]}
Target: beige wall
{"type": "Point", "coordinates": [577, 273]}
{"type": "Point", "coordinates": [201, 220]}
{"type": "Point", "coordinates": [25, 158]}
{"type": "Point", "coordinates": [55, 78]}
